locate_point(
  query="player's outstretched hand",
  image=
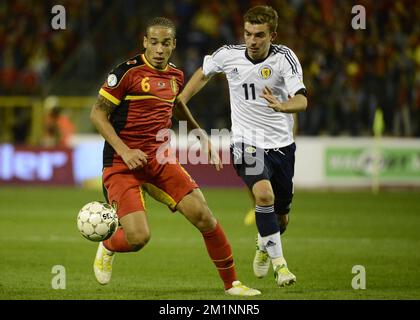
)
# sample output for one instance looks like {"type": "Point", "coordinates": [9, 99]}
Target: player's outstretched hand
{"type": "Point", "coordinates": [273, 102]}
{"type": "Point", "coordinates": [134, 158]}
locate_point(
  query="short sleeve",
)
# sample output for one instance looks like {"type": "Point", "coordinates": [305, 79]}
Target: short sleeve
{"type": "Point", "coordinates": [292, 73]}
{"type": "Point", "coordinates": [213, 64]}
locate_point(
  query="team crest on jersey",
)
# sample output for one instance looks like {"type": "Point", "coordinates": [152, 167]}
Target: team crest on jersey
{"type": "Point", "coordinates": [265, 72]}
{"type": "Point", "coordinates": [174, 86]}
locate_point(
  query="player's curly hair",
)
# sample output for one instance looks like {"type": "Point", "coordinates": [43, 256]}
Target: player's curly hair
{"type": "Point", "coordinates": [262, 14]}
{"type": "Point", "coordinates": [162, 22]}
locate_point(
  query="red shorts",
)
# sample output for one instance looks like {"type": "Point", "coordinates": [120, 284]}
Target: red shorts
{"type": "Point", "coordinates": [167, 183]}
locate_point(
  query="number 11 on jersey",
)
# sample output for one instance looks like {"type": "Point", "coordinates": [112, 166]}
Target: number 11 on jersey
{"type": "Point", "coordinates": [252, 86]}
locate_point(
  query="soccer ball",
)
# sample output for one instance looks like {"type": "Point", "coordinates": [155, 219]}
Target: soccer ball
{"type": "Point", "coordinates": [97, 221]}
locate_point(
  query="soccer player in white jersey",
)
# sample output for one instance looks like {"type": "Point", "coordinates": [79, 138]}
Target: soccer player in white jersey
{"type": "Point", "coordinates": [266, 88]}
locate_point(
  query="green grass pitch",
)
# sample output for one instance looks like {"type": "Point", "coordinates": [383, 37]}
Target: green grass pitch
{"type": "Point", "coordinates": [329, 233]}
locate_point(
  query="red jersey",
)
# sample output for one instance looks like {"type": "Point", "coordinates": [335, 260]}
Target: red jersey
{"type": "Point", "coordinates": [144, 96]}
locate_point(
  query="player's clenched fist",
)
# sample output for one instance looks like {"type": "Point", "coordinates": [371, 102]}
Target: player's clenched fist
{"type": "Point", "coordinates": [134, 158]}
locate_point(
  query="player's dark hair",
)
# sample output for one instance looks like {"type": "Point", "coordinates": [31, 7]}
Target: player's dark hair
{"type": "Point", "coordinates": [161, 22]}
{"type": "Point", "coordinates": [262, 14]}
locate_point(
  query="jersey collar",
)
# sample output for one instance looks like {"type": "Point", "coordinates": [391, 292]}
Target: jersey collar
{"type": "Point", "coordinates": [260, 60]}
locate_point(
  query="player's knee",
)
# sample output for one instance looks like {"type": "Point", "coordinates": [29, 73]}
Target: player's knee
{"type": "Point", "coordinates": [205, 221]}
{"type": "Point", "coordinates": [264, 197]}
{"type": "Point", "coordinates": [202, 218]}
{"type": "Point", "coordinates": [138, 240]}
{"type": "Point", "coordinates": [198, 213]}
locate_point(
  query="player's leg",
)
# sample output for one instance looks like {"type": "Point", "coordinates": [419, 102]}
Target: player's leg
{"type": "Point", "coordinates": [175, 188]}
{"type": "Point", "coordinates": [194, 207]}
{"type": "Point", "coordinates": [283, 222]}
{"type": "Point", "coordinates": [133, 234]}
{"type": "Point", "coordinates": [282, 273]}
{"type": "Point", "coordinates": [269, 246]}
{"type": "Point", "coordinates": [251, 165]}
{"type": "Point", "coordinates": [268, 239]}
{"type": "Point", "coordinates": [122, 190]}
{"type": "Point", "coordinates": [282, 205]}
{"type": "Point", "coordinates": [130, 237]}
{"type": "Point", "coordinates": [282, 183]}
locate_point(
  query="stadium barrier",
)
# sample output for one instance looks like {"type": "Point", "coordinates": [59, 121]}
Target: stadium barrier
{"type": "Point", "coordinates": [33, 165]}
{"type": "Point", "coordinates": [36, 106]}
{"type": "Point", "coordinates": [357, 162]}
{"type": "Point", "coordinates": [320, 163]}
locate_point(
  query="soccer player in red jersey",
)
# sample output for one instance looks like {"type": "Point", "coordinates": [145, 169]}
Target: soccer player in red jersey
{"type": "Point", "coordinates": [134, 107]}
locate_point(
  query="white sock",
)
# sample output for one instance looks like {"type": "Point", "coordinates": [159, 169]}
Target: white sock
{"type": "Point", "coordinates": [272, 244]}
{"type": "Point", "coordinates": [278, 261]}
{"type": "Point", "coordinates": [260, 243]}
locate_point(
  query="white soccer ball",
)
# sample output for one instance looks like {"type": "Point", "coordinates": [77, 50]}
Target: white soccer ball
{"type": "Point", "coordinates": [97, 221]}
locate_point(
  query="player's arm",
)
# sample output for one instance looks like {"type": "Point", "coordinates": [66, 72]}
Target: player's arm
{"type": "Point", "coordinates": [182, 113]}
{"type": "Point", "coordinates": [194, 85]}
{"type": "Point", "coordinates": [295, 104]}
{"type": "Point", "coordinates": [99, 115]}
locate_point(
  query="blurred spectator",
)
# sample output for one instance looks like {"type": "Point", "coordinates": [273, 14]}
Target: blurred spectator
{"type": "Point", "coordinates": [349, 72]}
{"type": "Point", "coordinates": [58, 128]}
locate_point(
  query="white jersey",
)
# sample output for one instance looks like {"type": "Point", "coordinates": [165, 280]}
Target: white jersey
{"type": "Point", "coordinates": [253, 122]}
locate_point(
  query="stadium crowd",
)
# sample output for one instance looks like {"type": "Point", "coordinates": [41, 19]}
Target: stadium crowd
{"type": "Point", "coordinates": [348, 72]}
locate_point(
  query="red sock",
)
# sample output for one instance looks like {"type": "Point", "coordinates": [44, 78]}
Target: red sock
{"type": "Point", "coordinates": [220, 252]}
{"type": "Point", "coordinates": [118, 242]}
